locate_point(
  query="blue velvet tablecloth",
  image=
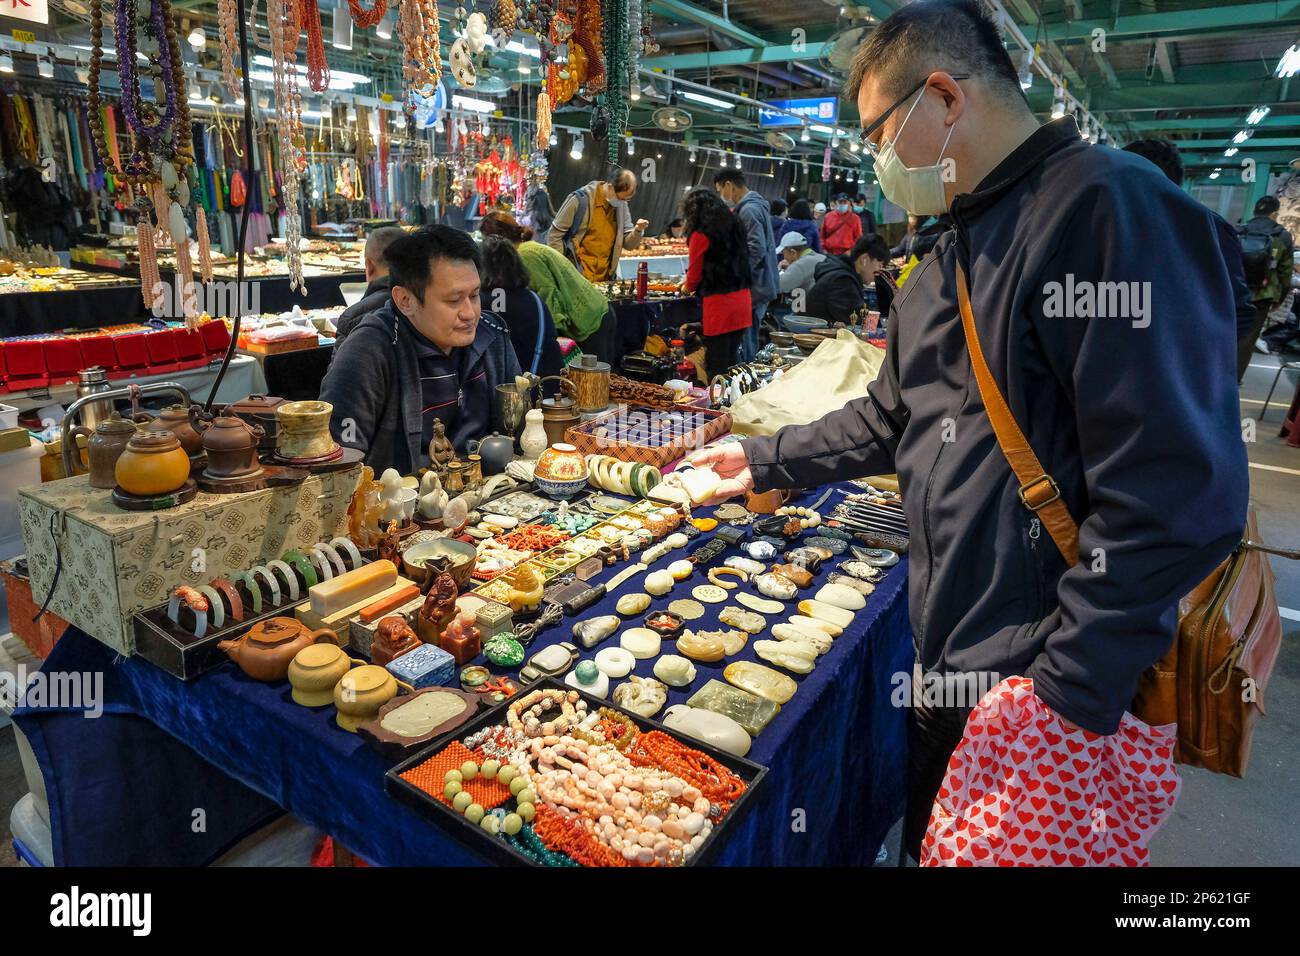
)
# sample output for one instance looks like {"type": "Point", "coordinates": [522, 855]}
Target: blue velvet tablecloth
{"type": "Point", "coordinates": [173, 773]}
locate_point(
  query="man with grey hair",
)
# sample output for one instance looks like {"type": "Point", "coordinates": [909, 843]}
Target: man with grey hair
{"type": "Point", "coordinates": [378, 287]}
{"type": "Point", "coordinates": [1071, 575]}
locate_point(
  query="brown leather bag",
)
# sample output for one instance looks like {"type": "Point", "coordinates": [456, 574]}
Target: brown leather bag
{"type": "Point", "coordinates": [1211, 682]}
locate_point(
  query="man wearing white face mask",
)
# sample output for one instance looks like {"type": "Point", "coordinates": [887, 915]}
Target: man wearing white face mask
{"type": "Point", "coordinates": [594, 226]}
{"type": "Point", "coordinates": [1065, 565]}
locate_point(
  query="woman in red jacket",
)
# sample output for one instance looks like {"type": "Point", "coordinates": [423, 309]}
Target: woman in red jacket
{"type": "Point", "coordinates": [841, 227]}
{"type": "Point", "coordinates": [718, 270]}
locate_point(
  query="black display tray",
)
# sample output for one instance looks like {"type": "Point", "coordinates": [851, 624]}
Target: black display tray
{"type": "Point", "coordinates": [496, 848]}
{"type": "Point", "coordinates": [157, 642]}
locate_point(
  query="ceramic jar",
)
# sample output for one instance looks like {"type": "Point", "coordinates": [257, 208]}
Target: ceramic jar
{"type": "Point", "coordinates": [103, 448]}
{"type": "Point", "coordinates": [561, 471]}
{"type": "Point", "coordinates": [315, 670]}
{"type": "Point", "coordinates": [361, 692]}
{"type": "Point", "coordinates": [560, 413]}
{"type": "Point", "coordinates": [265, 651]}
{"type": "Point", "coordinates": [534, 440]}
{"type": "Point", "coordinates": [496, 451]}
{"type": "Point", "coordinates": [177, 419]}
{"type": "Point", "coordinates": [260, 410]}
{"type": "Point", "coordinates": [153, 463]}
{"type": "Point", "coordinates": [232, 446]}
{"type": "Point", "coordinates": [455, 481]}
{"type": "Point", "coordinates": [591, 378]}
{"type": "Point", "coordinates": [303, 430]}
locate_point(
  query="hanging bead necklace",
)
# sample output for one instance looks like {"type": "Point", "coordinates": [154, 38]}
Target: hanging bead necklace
{"type": "Point", "coordinates": [367, 18]}
{"type": "Point", "coordinates": [284, 40]}
{"type": "Point", "coordinates": [318, 70]}
{"type": "Point", "coordinates": [228, 26]}
{"type": "Point", "coordinates": [418, 27]}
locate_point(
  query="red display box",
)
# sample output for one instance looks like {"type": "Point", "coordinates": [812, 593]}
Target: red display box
{"type": "Point", "coordinates": [162, 351]}
{"type": "Point", "coordinates": [191, 350]}
{"type": "Point", "coordinates": [216, 336]}
{"type": "Point", "coordinates": [25, 365]}
{"type": "Point", "coordinates": [132, 354]}
{"type": "Point", "coordinates": [99, 350]}
{"type": "Point", "coordinates": [63, 360]}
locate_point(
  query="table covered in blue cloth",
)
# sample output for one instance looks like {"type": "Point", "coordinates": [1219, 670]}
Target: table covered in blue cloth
{"type": "Point", "coordinates": [174, 773]}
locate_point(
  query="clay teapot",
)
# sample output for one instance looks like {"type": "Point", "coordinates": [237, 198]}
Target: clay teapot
{"type": "Point", "coordinates": [265, 651]}
{"type": "Point", "coordinates": [496, 450]}
{"type": "Point", "coordinates": [152, 463]}
{"type": "Point", "coordinates": [179, 420]}
{"type": "Point", "coordinates": [104, 446]}
{"type": "Point", "coordinates": [231, 445]}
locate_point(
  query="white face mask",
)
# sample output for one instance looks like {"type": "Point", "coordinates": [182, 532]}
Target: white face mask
{"type": "Point", "coordinates": [917, 189]}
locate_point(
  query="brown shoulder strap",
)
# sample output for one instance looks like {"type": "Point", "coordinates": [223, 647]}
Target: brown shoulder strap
{"type": "Point", "coordinates": [1038, 491]}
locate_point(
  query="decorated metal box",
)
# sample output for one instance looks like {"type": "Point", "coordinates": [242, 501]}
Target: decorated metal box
{"type": "Point", "coordinates": [117, 562]}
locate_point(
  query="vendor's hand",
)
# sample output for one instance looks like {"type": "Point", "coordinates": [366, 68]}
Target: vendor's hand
{"type": "Point", "coordinates": [731, 465]}
{"type": "Point", "coordinates": [642, 225]}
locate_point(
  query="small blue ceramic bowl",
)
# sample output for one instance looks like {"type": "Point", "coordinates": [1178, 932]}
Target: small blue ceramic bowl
{"type": "Point", "coordinates": [560, 489]}
{"type": "Point", "coordinates": [803, 323]}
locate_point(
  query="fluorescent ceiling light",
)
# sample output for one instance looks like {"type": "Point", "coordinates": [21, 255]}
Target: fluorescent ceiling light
{"type": "Point", "coordinates": [197, 38]}
{"type": "Point", "coordinates": [822, 129]}
{"type": "Point", "coordinates": [340, 82]}
{"type": "Point", "coordinates": [1230, 152]}
{"type": "Point", "coordinates": [384, 28]}
{"type": "Point", "coordinates": [262, 60]}
{"type": "Point", "coordinates": [1058, 109]}
{"type": "Point", "coordinates": [1289, 64]}
{"type": "Point", "coordinates": [1214, 175]}
{"type": "Point", "coordinates": [469, 103]}
{"type": "Point", "coordinates": [1241, 137]}
{"type": "Point", "coordinates": [1257, 115]}
{"type": "Point", "coordinates": [707, 100]}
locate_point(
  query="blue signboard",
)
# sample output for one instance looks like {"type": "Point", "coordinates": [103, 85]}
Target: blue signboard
{"type": "Point", "coordinates": [818, 109]}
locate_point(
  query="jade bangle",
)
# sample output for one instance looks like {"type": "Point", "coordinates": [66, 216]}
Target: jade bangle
{"type": "Point", "coordinates": [332, 553]}
{"type": "Point", "coordinates": [302, 565]}
{"type": "Point", "coordinates": [217, 608]}
{"type": "Point", "coordinates": [227, 590]}
{"type": "Point", "coordinates": [347, 545]}
{"type": "Point", "coordinates": [254, 589]}
{"type": "Point", "coordinates": [286, 572]}
{"type": "Point", "coordinates": [321, 562]}
{"type": "Point", "coordinates": [272, 585]}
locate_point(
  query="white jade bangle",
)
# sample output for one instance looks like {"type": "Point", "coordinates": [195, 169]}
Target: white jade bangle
{"type": "Point", "coordinates": [200, 617]}
{"type": "Point", "coordinates": [332, 553]}
{"type": "Point", "coordinates": [216, 607]}
{"type": "Point", "coordinates": [289, 575]}
{"type": "Point", "coordinates": [272, 584]}
{"type": "Point", "coordinates": [316, 555]}
{"type": "Point", "coordinates": [347, 545]}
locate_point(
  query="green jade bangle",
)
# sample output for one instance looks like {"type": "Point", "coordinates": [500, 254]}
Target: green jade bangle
{"type": "Point", "coordinates": [302, 564]}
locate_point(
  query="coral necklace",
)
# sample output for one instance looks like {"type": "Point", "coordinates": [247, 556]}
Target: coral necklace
{"type": "Point", "coordinates": [367, 18]}
{"type": "Point", "coordinates": [318, 70]}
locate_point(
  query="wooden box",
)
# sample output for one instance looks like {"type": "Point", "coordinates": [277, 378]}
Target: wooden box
{"type": "Point", "coordinates": [117, 562]}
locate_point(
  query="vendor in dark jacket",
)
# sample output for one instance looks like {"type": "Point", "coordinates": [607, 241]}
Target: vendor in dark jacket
{"type": "Point", "coordinates": [377, 283]}
{"type": "Point", "coordinates": [839, 292]}
{"type": "Point", "coordinates": [428, 354]}
{"type": "Point", "coordinates": [1094, 387]}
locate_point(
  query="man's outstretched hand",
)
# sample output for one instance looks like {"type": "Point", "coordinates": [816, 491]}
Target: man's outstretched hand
{"type": "Point", "coordinates": [730, 464]}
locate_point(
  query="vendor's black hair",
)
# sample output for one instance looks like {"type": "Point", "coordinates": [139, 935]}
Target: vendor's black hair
{"type": "Point", "coordinates": [951, 35]}
{"type": "Point", "coordinates": [779, 207]}
{"type": "Point", "coordinates": [502, 267]}
{"type": "Point", "coordinates": [410, 258]}
{"type": "Point", "coordinates": [1162, 153]}
{"type": "Point", "coordinates": [801, 209]}
{"type": "Point", "coordinates": [1267, 205]}
{"type": "Point", "coordinates": [733, 176]}
{"type": "Point", "coordinates": [870, 245]}
{"type": "Point", "coordinates": [862, 198]}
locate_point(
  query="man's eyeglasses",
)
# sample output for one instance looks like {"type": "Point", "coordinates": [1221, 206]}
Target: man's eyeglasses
{"type": "Point", "coordinates": [864, 138]}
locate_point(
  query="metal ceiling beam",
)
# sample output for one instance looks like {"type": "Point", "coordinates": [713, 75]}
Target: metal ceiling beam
{"type": "Point", "coordinates": [768, 54]}
{"type": "Point", "coordinates": [683, 10]}
{"type": "Point", "coordinates": [1234, 122]}
{"type": "Point", "coordinates": [1206, 19]}
{"type": "Point", "coordinates": [1254, 143]}
{"type": "Point", "coordinates": [1107, 71]}
{"type": "Point", "coordinates": [1242, 95]}
{"type": "Point", "coordinates": [1028, 16]}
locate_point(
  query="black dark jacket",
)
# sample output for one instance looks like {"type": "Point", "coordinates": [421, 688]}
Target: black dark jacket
{"type": "Point", "coordinates": [726, 261]}
{"type": "Point", "coordinates": [1241, 294]}
{"type": "Point", "coordinates": [837, 291]}
{"type": "Point", "coordinates": [868, 220]}
{"type": "Point", "coordinates": [374, 385]}
{"type": "Point", "coordinates": [1137, 419]}
{"type": "Point", "coordinates": [377, 294]}
{"type": "Point", "coordinates": [519, 310]}
{"type": "Point", "coordinates": [920, 241]}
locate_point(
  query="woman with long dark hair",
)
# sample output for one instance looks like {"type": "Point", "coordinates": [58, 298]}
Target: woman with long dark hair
{"type": "Point", "coordinates": [718, 271]}
{"type": "Point", "coordinates": [506, 294]}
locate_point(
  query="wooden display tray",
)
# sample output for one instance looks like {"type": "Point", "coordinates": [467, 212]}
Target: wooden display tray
{"type": "Point", "coordinates": [638, 433]}
{"type": "Point", "coordinates": [495, 847]}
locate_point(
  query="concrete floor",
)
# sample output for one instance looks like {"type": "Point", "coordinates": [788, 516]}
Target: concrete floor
{"type": "Point", "coordinates": [1219, 821]}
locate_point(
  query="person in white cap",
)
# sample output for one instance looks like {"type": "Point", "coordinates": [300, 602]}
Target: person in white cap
{"type": "Point", "coordinates": [798, 262]}
{"type": "Point", "coordinates": [819, 212]}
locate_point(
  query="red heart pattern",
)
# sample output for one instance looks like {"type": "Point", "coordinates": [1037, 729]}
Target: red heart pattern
{"type": "Point", "coordinates": [1005, 799]}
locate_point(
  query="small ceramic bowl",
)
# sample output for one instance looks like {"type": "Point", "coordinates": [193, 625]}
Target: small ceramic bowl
{"type": "Point", "coordinates": [461, 555]}
{"type": "Point", "coordinates": [807, 342]}
{"type": "Point", "coordinates": [803, 323]}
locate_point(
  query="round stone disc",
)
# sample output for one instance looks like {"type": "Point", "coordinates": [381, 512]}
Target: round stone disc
{"type": "Point", "coordinates": [709, 593]}
{"type": "Point", "coordinates": [688, 610]}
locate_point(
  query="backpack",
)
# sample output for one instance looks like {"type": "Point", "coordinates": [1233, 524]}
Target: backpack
{"type": "Point", "coordinates": [579, 217]}
{"type": "Point", "coordinates": [1258, 255]}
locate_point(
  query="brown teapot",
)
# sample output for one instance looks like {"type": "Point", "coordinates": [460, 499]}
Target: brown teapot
{"type": "Point", "coordinates": [231, 445]}
{"type": "Point", "coordinates": [104, 446]}
{"type": "Point", "coordinates": [178, 419]}
{"type": "Point", "coordinates": [265, 651]}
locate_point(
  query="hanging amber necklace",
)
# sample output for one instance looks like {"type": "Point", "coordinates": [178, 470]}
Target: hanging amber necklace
{"type": "Point", "coordinates": [367, 18]}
